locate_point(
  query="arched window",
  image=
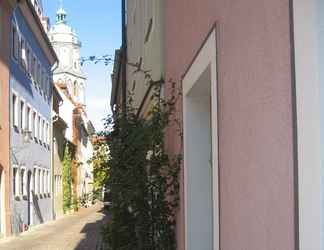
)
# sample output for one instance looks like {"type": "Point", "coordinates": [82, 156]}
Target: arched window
{"type": "Point", "coordinates": [75, 88]}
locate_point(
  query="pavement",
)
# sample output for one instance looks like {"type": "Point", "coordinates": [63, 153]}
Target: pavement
{"type": "Point", "coordinates": [78, 231]}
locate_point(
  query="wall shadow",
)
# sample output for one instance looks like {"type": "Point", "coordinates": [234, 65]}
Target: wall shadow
{"type": "Point", "coordinates": [37, 208]}
{"type": "Point", "coordinates": [93, 233]}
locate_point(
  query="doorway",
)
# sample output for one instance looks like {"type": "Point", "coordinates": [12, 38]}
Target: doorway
{"type": "Point", "coordinates": [201, 150]}
{"type": "Point", "coordinates": [29, 198]}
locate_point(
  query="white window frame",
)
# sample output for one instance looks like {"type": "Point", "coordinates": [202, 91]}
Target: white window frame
{"type": "Point", "coordinates": [43, 131]}
{"type": "Point", "coordinates": [16, 181]}
{"type": "Point", "coordinates": [29, 118]}
{"type": "Point", "coordinates": [48, 181]}
{"type": "Point", "coordinates": [35, 124]}
{"type": "Point", "coordinates": [39, 74]}
{"type": "Point", "coordinates": [48, 138]}
{"type": "Point", "coordinates": [36, 180]}
{"type": "Point", "coordinates": [22, 114]}
{"type": "Point", "coordinates": [34, 68]}
{"type": "Point", "coordinates": [39, 127]}
{"type": "Point", "coordinates": [40, 181]}
{"type": "Point", "coordinates": [33, 188]}
{"type": "Point", "coordinates": [23, 181]}
{"type": "Point", "coordinates": [43, 182]}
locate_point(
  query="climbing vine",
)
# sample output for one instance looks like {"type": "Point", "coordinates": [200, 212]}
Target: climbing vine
{"type": "Point", "coordinates": [99, 163]}
{"type": "Point", "coordinates": [143, 177]}
{"type": "Point", "coordinates": [67, 179]}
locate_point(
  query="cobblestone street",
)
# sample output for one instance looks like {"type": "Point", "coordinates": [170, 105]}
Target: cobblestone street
{"type": "Point", "coordinates": [79, 231]}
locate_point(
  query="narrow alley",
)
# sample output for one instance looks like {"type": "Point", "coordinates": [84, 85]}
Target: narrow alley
{"type": "Point", "coordinates": [80, 230]}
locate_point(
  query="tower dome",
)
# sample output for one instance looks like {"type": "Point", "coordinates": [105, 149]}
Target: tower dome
{"type": "Point", "coordinates": [67, 47]}
{"type": "Point", "coordinates": [61, 16]}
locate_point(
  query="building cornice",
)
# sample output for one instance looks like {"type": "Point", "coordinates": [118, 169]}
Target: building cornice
{"type": "Point", "coordinates": [37, 28]}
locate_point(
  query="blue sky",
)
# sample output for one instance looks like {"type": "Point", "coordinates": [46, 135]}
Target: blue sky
{"type": "Point", "coordinates": [97, 24]}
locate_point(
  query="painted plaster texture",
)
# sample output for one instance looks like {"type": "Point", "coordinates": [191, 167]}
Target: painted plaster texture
{"type": "Point", "coordinates": [256, 167]}
{"type": "Point", "coordinates": [5, 12]}
{"type": "Point", "coordinates": [145, 45]}
{"type": "Point", "coordinates": [35, 154]}
{"type": "Point", "coordinates": [320, 23]}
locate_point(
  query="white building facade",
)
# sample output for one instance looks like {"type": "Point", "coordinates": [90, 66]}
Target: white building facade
{"type": "Point", "coordinates": [71, 82]}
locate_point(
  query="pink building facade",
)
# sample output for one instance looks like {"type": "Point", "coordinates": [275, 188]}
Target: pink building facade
{"type": "Point", "coordinates": [249, 75]}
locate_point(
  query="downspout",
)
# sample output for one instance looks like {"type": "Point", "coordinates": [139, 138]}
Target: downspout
{"type": "Point", "coordinates": [124, 59]}
{"type": "Point", "coordinates": [52, 146]}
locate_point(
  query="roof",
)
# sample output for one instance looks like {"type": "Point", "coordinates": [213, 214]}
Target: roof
{"type": "Point", "coordinates": [41, 28]}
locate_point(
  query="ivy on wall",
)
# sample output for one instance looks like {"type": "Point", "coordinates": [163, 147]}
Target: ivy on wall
{"type": "Point", "coordinates": [143, 177]}
{"type": "Point", "coordinates": [67, 179]}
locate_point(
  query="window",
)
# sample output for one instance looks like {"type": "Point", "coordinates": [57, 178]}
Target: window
{"type": "Point", "coordinates": [33, 68]}
{"type": "Point", "coordinates": [56, 184]}
{"type": "Point", "coordinates": [48, 181]}
{"type": "Point", "coordinates": [28, 60]}
{"type": "Point", "coordinates": [39, 181]}
{"type": "Point", "coordinates": [43, 182]}
{"type": "Point", "coordinates": [39, 128]}
{"type": "Point", "coordinates": [23, 60]}
{"type": "Point", "coordinates": [75, 88]}
{"type": "Point", "coordinates": [15, 110]}
{"type": "Point", "coordinates": [43, 132]}
{"type": "Point", "coordinates": [34, 181]}
{"type": "Point", "coordinates": [15, 182]}
{"type": "Point", "coordinates": [29, 119]}
{"type": "Point", "coordinates": [22, 181]}
{"type": "Point", "coordinates": [48, 188]}
{"type": "Point", "coordinates": [39, 74]}
{"type": "Point", "coordinates": [15, 43]}
{"type": "Point", "coordinates": [35, 124]}
{"type": "Point", "coordinates": [48, 134]}
{"type": "Point", "coordinates": [46, 90]}
{"type": "Point", "coordinates": [22, 116]}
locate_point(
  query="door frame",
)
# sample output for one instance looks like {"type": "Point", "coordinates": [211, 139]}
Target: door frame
{"type": "Point", "coordinates": [206, 57]}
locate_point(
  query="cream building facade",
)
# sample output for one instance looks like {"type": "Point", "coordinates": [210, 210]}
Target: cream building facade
{"type": "Point", "coordinates": [144, 47]}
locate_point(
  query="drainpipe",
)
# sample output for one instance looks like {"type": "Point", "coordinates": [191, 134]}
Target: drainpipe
{"type": "Point", "coordinates": [55, 66]}
{"type": "Point", "coordinates": [124, 58]}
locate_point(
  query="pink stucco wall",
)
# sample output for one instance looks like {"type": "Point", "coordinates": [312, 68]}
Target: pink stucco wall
{"type": "Point", "coordinates": [255, 114]}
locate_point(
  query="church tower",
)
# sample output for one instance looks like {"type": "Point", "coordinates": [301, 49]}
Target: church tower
{"type": "Point", "coordinates": [67, 47]}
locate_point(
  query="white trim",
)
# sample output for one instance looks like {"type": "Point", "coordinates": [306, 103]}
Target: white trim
{"type": "Point", "coordinates": [29, 117]}
{"type": "Point", "coordinates": [15, 109]}
{"type": "Point", "coordinates": [23, 180]}
{"type": "Point", "coordinates": [205, 58]}
{"type": "Point", "coordinates": [22, 114]}
{"type": "Point", "coordinates": [308, 123]}
{"type": "Point", "coordinates": [16, 170]}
